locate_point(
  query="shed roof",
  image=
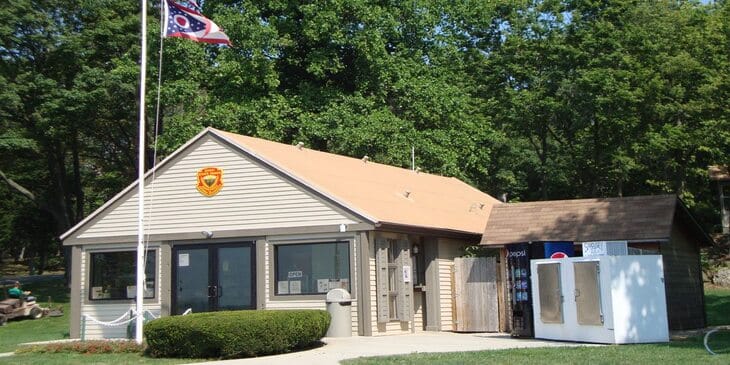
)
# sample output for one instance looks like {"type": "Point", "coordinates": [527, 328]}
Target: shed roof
{"type": "Point", "coordinates": [383, 193]}
{"type": "Point", "coordinates": [719, 173]}
{"type": "Point", "coordinates": [580, 220]}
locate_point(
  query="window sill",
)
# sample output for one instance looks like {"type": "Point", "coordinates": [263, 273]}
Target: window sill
{"type": "Point", "coordinates": [120, 301]}
{"type": "Point", "coordinates": [300, 297]}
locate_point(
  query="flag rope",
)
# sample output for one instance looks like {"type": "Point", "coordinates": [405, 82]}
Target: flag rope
{"type": "Point", "coordinates": [156, 133]}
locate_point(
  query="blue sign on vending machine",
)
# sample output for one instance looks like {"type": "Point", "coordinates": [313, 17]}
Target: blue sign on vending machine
{"type": "Point", "coordinates": [559, 250]}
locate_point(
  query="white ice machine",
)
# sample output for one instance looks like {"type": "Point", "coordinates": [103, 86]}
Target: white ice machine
{"type": "Point", "coordinates": [603, 299]}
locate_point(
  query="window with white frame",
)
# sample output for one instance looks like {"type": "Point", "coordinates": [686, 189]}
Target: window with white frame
{"type": "Point", "coordinates": [311, 268]}
{"type": "Point", "coordinates": [113, 275]}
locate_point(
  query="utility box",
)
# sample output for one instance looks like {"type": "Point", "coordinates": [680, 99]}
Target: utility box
{"type": "Point", "coordinates": [603, 299]}
{"type": "Point", "coordinates": [339, 305]}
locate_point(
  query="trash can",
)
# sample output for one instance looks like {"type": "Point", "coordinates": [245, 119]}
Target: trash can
{"type": "Point", "coordinates": [338, 306]}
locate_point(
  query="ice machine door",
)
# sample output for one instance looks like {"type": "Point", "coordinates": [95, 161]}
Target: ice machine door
{"type": "Point", "coordinates": [588, 293]}
{"type": "Point", "coordinates": [551, 298]}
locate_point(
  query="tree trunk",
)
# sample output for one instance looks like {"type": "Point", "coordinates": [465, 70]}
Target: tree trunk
{"type": "Point", "coordinates": [78, 191]}
{"type": "Point", "coordinates": [543, 165]}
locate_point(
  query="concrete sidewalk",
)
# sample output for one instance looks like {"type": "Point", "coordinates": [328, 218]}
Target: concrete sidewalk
{"type": "Point", "coordinates": [336, 349]}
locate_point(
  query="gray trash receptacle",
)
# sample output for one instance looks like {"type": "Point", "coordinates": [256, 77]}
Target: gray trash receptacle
{"type": "Point", "coordinates": [338, 306]}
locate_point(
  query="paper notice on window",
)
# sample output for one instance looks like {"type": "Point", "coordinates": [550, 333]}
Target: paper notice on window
{"type": "Point", "coordinates": [406, 274]}
{"type": "Point", "coordinates": [283, 287]}
{"type": "Point", "coordinates": [295, 287]}
{"type": "Point", "coordinates": [323, 285]}
{"type": "Point", "coordinates": [294, 274]}
{"type": "Point", "coordinates": [183, 259]}
{"type": "Point", "coordinates": [131, 291]}
{"type": "Point", "coordinates": [97, 292]}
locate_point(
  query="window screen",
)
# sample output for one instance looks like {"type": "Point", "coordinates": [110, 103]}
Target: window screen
{"type": "Point", "coordinates": [312, 268]}
{"type": "Point", "coordinates": [114, 275]}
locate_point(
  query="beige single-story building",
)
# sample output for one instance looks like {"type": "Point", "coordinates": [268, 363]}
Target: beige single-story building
{"type": "Point", "coordinates": [236, 222]}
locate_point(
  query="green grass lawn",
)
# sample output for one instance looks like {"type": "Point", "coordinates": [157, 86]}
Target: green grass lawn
{"type": "Point", "coordinates": [690, 351]}
{"type": "Point", "coordinates": [21, 330]}
{"type": "Point", "coordinates": [717, 304]}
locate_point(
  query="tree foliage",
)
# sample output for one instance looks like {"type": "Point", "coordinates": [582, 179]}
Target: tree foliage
{"type": "Point", "coordinates": [539, 99]}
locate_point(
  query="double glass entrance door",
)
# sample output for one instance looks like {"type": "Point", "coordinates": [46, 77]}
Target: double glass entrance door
{"type": "Point", "coordinates": [214, 277]}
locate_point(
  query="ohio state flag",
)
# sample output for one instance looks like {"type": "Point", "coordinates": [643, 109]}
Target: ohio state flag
{"type": "Point", "coordinates": [183, 22]}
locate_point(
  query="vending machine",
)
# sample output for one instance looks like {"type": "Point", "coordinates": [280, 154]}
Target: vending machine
{"type": "Point", "coordinates": [518, 284]}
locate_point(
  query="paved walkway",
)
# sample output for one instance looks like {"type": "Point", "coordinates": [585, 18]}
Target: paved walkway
{"type": "Point", "coordinates": [336, 349]}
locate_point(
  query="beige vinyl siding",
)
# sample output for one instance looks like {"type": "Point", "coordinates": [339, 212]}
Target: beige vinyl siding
{"type": "Point", "coordinates": [106, 312]}
{"type": "Point", "coordinates": [448, 249]}
{"type": "Point", "coordinates": [270, 304]}
{"type": "Point", "coordinates": [252, 197]}
{"type": "Point", "coordinates": [418, 301]}
{"type": "Point", "coordinates": [446, 294]}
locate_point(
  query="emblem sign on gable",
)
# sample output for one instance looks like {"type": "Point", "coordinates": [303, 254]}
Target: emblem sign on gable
{"type": "Point", "coordinates": [210, 180]}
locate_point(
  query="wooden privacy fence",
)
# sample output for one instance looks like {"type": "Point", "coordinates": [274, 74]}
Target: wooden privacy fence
{"type": "Point", "coordinates": [475, 294]}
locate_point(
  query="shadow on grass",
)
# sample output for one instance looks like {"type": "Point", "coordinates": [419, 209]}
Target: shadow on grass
{"type": "Point", "coordinates": [717, 304]}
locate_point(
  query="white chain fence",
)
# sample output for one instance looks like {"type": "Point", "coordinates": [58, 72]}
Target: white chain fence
{"type": "Point", "coordinates": [126, 318]}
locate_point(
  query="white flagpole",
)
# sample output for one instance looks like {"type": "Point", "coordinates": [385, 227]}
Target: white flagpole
{"type": "Point", "coordinates": [140, 178]}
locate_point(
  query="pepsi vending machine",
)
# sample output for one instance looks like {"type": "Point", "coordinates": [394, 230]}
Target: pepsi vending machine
{"type": "Point", "coordinates": [518, 267]}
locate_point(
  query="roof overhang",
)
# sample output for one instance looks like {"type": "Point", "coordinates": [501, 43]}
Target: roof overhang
{"type": "Point", "coordinates": [560, 221]}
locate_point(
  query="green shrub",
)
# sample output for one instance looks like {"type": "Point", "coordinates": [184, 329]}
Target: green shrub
{"type": "Point", "coordinates": [235, 334]}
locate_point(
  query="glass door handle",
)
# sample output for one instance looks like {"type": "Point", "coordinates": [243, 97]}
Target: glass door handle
{"type": "Point", "coordinates": [212, 291]}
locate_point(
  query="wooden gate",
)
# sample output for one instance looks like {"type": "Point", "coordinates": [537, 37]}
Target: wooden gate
{"type": "Point", "coordinates": [475, 294]}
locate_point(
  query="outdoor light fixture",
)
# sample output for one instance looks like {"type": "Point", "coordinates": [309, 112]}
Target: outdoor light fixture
{"type": "Point", "coordinates": [415, 249]}
{"type": "Point", "coordinates": [207, 234]}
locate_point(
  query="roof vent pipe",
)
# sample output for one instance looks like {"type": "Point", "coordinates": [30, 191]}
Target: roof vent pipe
{"type": "Point", "coordinates": [365, 158]}
{"type": "Point", "coordinates": [503, 197]}
{"type": "Point", "coordinates": [300, 145]}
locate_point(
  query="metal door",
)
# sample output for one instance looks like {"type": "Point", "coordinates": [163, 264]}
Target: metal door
{"type": "Point", "coordinates": [588, 293]}
{"type": "Point", "coordinates": [211, 278]}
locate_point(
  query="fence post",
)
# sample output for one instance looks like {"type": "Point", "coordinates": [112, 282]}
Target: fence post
{"type": "Point", "coordinates": [83, 327]}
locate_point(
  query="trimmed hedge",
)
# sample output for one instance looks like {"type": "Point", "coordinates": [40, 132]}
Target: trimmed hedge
{"type": "Point", "coordinates": [235, 334]}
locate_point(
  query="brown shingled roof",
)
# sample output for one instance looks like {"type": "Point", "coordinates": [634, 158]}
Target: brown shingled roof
{"type": "Point", "coordinates": [719, 173]}
{"type": "Point", "coordinates": [381, 193]}
{"type": "Point", "coordinates": [579, 220]}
